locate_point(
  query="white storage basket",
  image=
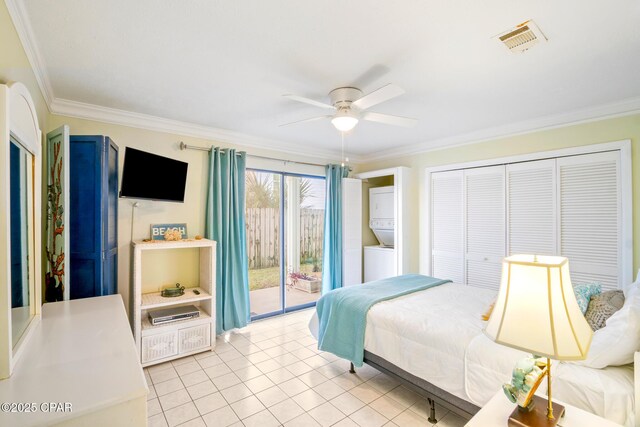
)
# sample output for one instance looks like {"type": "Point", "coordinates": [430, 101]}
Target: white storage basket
{"type": "Point", "coordinates": [194, 338]}
{"type": "Point", "coordinates": [159, 346]}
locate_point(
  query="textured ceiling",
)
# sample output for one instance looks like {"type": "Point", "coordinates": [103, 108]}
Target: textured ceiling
{"type": "Point", "coordinates": [225, 64]}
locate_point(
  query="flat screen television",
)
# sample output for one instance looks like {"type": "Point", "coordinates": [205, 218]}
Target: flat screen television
{"type": "Point", "coordinates": [149, 176]}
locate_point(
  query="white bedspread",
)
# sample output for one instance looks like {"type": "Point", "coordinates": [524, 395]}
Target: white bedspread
{"type": "Point", "coordinates": [437, 335]}
{"type": "Point", "coordinates": [607, 392]}
{"type": "Point", "coordinates": [417, 334]}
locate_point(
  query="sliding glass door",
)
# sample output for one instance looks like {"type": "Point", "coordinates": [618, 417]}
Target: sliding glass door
{"type": "Point", "coordinates": [303, 231]}
{"type": "Point", "coordinates": [263, 219]}
{"type": "Point", "coordinates": [284, 220]}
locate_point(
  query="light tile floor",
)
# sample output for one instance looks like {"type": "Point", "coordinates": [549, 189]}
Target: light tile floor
{"type": "Point", "coordinates": [271, 374]}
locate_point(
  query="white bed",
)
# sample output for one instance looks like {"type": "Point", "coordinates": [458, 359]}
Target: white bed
{"type": "Point", "coordinates": [436, 335]}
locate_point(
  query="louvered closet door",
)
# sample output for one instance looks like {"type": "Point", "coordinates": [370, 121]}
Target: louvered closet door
{"type": "Point", "coordinates": [531, 208]}
{"type": "Point", "coordinates": [485, 225]}
{"type": "Point", "coordinates": [590, 217]}
{"type": "Point", "coordinates": [447, 227]}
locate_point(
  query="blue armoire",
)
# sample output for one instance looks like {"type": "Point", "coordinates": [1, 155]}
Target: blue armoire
{"type": "Point", "coordinates": [93, 205]}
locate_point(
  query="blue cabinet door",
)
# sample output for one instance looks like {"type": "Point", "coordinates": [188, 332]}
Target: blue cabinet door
{"type": "Point", "coordinates": [93, 169]}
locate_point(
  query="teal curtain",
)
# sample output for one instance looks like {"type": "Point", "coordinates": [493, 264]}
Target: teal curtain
{"type": "Point", "coordinates": [332, 246]}
{"type": "Point", "coordinates": [226, 225]}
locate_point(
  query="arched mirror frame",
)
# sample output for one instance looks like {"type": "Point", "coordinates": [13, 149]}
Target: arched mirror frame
{"type": "Point", "coordinates": [19, 122]}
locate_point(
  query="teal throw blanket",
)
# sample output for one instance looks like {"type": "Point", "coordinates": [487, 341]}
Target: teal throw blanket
{"type": "Point", "coordinates": [342, 313]}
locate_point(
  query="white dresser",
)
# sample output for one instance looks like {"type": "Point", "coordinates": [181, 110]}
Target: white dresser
{"type": "Point", "coordinates": [81, 354]}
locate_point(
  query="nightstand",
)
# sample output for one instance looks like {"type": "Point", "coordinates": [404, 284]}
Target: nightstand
{"type": "Point", "coordinates": [496, 412]}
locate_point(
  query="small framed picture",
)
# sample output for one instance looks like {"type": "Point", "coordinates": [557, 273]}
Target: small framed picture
{"type": "Point", "coordinates": [158, 230]}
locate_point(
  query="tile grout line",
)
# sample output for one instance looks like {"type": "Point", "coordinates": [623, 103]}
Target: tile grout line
{"type": "Point", "coordinates": [239, 342]}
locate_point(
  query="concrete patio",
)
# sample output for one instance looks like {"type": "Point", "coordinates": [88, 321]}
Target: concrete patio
{"type": "Point", "coordinates": [268, 300]}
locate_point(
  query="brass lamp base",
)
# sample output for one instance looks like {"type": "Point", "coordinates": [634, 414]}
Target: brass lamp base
{"type": "Point", "coordinates": [537, 416]}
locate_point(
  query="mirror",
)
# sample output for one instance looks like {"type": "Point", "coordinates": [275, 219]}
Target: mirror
{"type": "Point", "coordinates": [21, 217]}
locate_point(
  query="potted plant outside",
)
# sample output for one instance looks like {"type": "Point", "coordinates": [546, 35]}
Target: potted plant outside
{"type": "Point", "coordinates": [305, 282]}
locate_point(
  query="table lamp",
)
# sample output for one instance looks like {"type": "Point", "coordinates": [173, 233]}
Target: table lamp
{"type": "Point", "coordinates": [536, 311]}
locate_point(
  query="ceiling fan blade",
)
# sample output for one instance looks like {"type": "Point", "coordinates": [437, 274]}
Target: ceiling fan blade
{"type": "Point", "coordinates": [385, 93]}
{"type": "Point", "coordinates": [309, 101]}
{"type": "Point", "coordinates": [389, 119]}
{"type": "Point", "coordinates": [312, 119]}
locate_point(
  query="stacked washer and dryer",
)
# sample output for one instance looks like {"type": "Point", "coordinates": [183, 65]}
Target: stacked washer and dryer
{"type": "Point", "coordinates": [380, 260]}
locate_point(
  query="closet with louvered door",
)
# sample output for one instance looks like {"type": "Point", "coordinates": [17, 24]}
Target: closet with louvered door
{"type": "Point", "coordinates": [576, 205]}
{"type": "Point", "coordinates": [484, 191]}
{"type": "Point", "coordinates": [591, 216]}
{"type": "Point", "coordinates": [531, 208]}
{"type": "Point", "coordinates": [447, 226]}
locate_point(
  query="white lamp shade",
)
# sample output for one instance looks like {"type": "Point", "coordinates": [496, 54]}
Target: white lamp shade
{"type": "Point", "coordinates": [344, 121]}
{"type": "Point", "coordinates": [536, 310]}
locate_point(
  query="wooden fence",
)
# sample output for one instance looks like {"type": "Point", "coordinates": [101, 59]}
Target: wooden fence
{"type": "Point", "coordinates": [263, 236]}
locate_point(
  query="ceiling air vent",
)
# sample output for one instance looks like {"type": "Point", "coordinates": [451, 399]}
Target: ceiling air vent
{"type": "Point", "coordinates": [522, 37]}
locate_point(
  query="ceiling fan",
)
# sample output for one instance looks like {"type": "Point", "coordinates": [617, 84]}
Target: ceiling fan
{"type": "Point", "coordinates": [350, 106]}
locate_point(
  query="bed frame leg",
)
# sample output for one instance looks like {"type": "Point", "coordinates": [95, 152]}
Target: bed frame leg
{"type": "Point", "coordinates": [432, 411]}
{"type": "Point", "coordinates": [352, 369]}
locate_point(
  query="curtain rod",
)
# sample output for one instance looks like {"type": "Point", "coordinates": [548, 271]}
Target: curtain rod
{"type": "Point", "coordinates": [184, 146]}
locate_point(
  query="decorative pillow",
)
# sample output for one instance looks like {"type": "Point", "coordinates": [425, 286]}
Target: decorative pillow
{"type": "Point", "coordinates": [615, 344]}
{"type": "Point", "coordinates": [584, 292]}
{"type": "Point", "coordinates": [602, 307]}
{"type": "Point", "coordinates": [487, 313]}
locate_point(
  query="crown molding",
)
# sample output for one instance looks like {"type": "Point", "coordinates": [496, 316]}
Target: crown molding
{"type": "Point", "coordinates": [25, 34]}
{"type": "Point", "coordinates": [65, 107]}
{"type": "Point", "coordinates": [622, 108]}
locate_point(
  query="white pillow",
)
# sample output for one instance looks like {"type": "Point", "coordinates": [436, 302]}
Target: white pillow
{"type": "Point", "coordinates": [626, 288]}
{"type": "Point", "coordinates": [616, 343]}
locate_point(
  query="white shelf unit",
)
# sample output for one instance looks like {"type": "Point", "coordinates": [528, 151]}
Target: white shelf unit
{"type": "Point", "coordinates": [160, 343]}
{"type": "Point", "coordinates": [155, 300]}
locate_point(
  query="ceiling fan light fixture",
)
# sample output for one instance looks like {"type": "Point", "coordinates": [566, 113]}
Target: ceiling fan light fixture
{"type": "Point", "coordinates": [344, 122]}
{"type": "Point", "coordinates": [351, 106]}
